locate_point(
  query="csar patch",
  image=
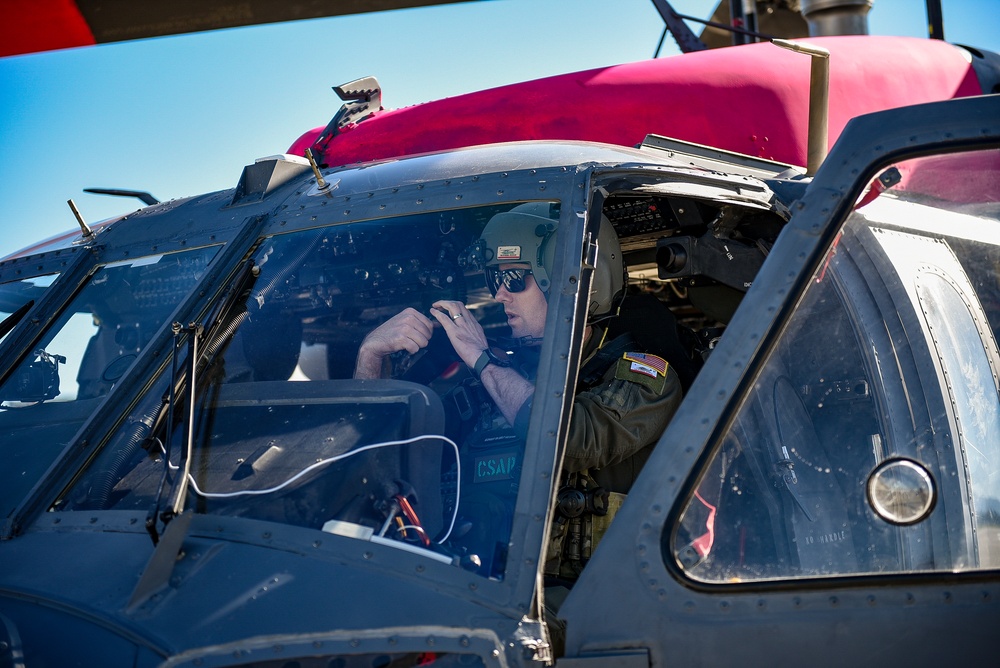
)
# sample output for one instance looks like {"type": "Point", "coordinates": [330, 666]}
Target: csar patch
{"type": "Point", "coordinates": [648, 370]}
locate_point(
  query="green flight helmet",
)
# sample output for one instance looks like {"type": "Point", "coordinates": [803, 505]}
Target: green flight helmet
{"type": "Point", "coordinates": [525, 234]}
{"type": "Point", "coordinates": [608, 287]}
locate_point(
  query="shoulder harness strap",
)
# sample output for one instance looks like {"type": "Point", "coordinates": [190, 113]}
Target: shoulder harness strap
{"type": "Point", "coordinates": [593, 371]}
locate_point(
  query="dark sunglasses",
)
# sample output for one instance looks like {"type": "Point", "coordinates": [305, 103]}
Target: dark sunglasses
{"type": "Point", "coordinates": [512, 279]}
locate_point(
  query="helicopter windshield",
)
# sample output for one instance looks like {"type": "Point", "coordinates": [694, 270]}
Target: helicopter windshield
{"type": "Point", "coordinates": [57, 386]}
{"type": "Point", "coordinates": [283, 432]}
{"type": "Point", "coordinates": [17, 297]}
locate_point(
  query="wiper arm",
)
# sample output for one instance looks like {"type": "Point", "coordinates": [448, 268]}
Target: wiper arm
{"type": "Point", "coordinates": [194, 331]}
{"type": "Point", "coordinates": [10, 322]}
{"type": "Point", "coordinates": [169, 401]}
{"type": "Point", "coordinates": [216, 329]}
{"type": "Point", "coordinates": [243, 283]}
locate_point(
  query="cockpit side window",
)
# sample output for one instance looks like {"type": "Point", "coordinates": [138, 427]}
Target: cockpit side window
{"type": "Point", "coordinates": [79, 358]}
{"type": "Point", "coordinates": [17, 297]}
{"type": "Point", "coordinates": [869, 442]}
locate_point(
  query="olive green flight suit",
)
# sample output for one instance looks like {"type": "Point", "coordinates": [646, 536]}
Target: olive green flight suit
{"type": "Point", "coordinates": [613, 428]}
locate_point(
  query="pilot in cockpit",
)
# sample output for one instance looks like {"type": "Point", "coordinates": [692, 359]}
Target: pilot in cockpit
{"type": "Point", "coordinates": [624, 397]}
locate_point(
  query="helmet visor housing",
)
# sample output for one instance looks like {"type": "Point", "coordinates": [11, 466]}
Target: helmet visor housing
{"type": "Point", "coordinates": [526, 235]}
{"type": "Point", "coordinates": [522, 235]}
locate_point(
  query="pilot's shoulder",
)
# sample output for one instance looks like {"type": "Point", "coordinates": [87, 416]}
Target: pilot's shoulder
{"type": "Point", "coordinates": [644, 369]}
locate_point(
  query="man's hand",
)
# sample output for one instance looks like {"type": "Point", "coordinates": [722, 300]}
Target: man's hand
{"type": "Point", "coordinates": [408, 330]}
{"type": "Point", "coordinates": [411, 331]}
{"type": "Point", "coordinates": [505, 385]}
{"type": "Point", "coordinates": [464, 331]}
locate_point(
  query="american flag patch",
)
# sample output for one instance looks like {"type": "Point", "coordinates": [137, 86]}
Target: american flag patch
{"type": "Point", "coordinates": [651, 365]}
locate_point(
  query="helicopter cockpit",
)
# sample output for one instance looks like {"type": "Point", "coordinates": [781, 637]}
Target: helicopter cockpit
{"type": "Point", "coordinates": [255, 412]}
{"type": "Point", "coordinates": [258, 414]}
{"type": "Point", "coordinates": [281, 431]}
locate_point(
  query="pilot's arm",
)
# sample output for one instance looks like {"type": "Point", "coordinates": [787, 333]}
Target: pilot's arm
{"type": "Point", "coordinates": [508, 388]}
{"type": "Point", "coordinates": [408, 330]}
{"type": "Point", "coordinates": [626, 412]}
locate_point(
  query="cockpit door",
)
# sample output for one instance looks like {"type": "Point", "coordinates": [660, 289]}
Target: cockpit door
{"type": "Point", "coordinates": [827, 491]}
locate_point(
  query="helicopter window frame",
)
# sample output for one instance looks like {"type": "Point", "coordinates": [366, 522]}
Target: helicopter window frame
{"type": "Point", "coordinates": [41, 288]}
{"type": "Point", "coordinates": [944, 538]}
{"type": "Point", "coordinates": [38, 369]}
{"type": "Point", "coordinates": [329, 231]}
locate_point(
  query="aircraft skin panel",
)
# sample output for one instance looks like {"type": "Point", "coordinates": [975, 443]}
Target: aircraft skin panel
{"type": "Point", "coordinates": [749, 99]}
{"type": "Point", "coordinates": [877, 619]}
{"type": "Point", "coordinates": [29, 26]}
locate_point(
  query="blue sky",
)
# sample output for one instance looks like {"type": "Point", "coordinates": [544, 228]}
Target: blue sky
{"type": "Point", "coordinates": [182, 115]}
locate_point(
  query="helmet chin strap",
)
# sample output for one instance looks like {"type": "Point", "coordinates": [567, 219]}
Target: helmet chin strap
{"type": "Point", "coordinates": [613, 313]}
{"type": "Point", "coordinates": [520, 342]}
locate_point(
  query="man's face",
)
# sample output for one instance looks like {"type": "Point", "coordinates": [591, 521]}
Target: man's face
{"type": "Point", "coordinates": [525, 310]}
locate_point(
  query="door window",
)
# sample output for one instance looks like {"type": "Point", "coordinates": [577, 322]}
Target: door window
{"type": "Point", "coordinates": [870, 440]}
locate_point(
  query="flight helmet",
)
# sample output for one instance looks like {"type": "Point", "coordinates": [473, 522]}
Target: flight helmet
{"type": "Point", "coordinates": [526, 234]}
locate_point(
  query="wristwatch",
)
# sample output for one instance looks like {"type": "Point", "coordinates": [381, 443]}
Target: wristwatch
{"type": "Point", "coordinates": [489, 357]}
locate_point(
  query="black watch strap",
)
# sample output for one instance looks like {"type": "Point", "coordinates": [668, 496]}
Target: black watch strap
{"type": "Point", "coordinates": [489, 357]}
{"type": "Point", "coordinates": [481, 363]}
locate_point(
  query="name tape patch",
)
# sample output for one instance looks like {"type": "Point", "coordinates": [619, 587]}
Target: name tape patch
{"type": "Point", "coordinates": [496, 467]}
{"type": "Point", "coordinates": [508, 252]}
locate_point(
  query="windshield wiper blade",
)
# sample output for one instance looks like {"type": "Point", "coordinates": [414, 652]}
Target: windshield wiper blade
{"type": "Point", "coordinates": [240, 285]}
{"type": "Point", "coordinates": [11, 321]}
{"type": "Point", "coordinates": [195, 331]}
{"type": "Point", "coordinates": [168, 402]}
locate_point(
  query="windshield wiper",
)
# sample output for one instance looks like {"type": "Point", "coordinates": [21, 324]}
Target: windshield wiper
{"type": "Point", "coordinates": [10, 322]}
{"type": "Point", "coordinates": [241, 285]}
{"type": "Point", "coordinates": [194, 331]}
{"type": "Point", "coordinates": [221, 323]}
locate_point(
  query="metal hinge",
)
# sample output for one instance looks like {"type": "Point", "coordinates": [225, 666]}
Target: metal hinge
{"type": "Point", "coordinates": [590, 249]}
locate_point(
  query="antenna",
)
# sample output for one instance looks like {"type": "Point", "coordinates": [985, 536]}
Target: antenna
{"type": "Point", "coordinates": [146, 198]}
{"type": "Point", "coordinates": [320, 181]}
{"type": "Point", "coordinates": [687, 41]}
{"type": "Point", "coordinates": [935, 20]}
{"type": "Point", "coordinates": [88, 233]}
{"type": "Point", "coordinates": [819, 101]}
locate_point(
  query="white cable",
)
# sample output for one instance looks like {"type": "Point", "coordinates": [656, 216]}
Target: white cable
{"type": "Point", "coordinates": [164, 451]}
{"type": "Point", "coordinates": [411, 526]}
{"type": "Point", "coordinates": [330, 460]}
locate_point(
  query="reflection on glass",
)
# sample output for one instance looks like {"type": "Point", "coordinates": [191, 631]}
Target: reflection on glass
{"type": "Point", "coordinates": [890, 356]}
{"type": "Point", "coordinates": [419, 458]}
{"type": "Point", "coordinates": [17, 297]}
{"type": "Point", "coordinates": [79, 358]}
{"type": "Point", "coordinates": [973, 388]}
